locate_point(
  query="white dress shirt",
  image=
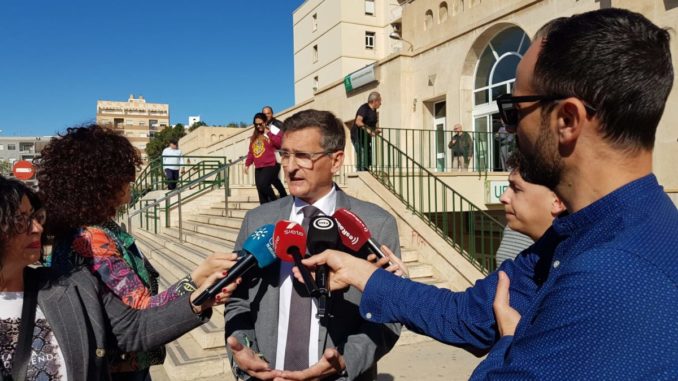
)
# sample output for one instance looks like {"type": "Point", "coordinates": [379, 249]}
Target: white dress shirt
{"type": "Point", "coordinates": [327, 205]}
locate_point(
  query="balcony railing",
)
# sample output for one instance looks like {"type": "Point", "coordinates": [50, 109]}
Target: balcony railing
{"type": "Point", "coordinates": [431, 149]}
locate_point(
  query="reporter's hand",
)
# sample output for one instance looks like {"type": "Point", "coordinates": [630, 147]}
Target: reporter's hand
{"type": "Point", "coordinates": [222, 297]}
{"type": "Point", "coordinates": [331, 363]}
{"type": "Point", "coordinates": [216, 262]}
{"type": "Point", "coordinates": [250, 362]}
{"type": "Point", "coordinates": [345, 269]}
{"type": "Point", "coordinates": [396, 265]}
{"type": "Point", "coordinates": [506, 316]}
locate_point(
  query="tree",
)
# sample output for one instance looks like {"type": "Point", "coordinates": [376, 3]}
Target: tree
{"type": "Point", "coordinates": [160, 140]}
{"type": "Point", "coordinates": [196, 125]}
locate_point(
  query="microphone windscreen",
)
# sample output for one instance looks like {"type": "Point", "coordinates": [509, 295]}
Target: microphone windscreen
{"type": "Point", "coordinates": [323, 234]}
{"type": "Point", "coordinates": [260, 245]}
{"type": "Point", "coordinates": [287, 236]}
{"type": "Point", "coordinates": [352, 230]}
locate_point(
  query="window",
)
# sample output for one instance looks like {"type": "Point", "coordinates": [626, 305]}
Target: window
{"type": "Point", "coordinates": [314, 21]}
{"type": "Point", "coordinates": [442, 12]}
{"type": "Point", "coordinates": [315, 53]}
{"type": "Point", "coordinates": [11, 147]}
{"type": "Point", "coordinates": [496, 68]}
{"type": "Point", "coordinates": [369, 40]}
{"type": "Point", "coordinates": [316, 83]}
{"type": "Point", "coordinates": [428, 19]}
{"type": "Point", "coordinates": [369, 7]}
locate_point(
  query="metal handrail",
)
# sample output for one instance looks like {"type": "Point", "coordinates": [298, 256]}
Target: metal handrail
{"type": "Point", "coordinates": [431, 148]}
{"type": "Point", "coordinates": [177, 192]}
{"type": "Point", "coordinates": [471, 230]}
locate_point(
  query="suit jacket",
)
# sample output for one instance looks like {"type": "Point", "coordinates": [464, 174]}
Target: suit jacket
{"type": "Point", "coordinates": [253, 309]}
{"type": "Point", "coordinates": [87, 320]}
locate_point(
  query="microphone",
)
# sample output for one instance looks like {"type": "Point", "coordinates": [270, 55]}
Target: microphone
{"type": "Point", "coordinates": [322, 235]}
{"type": "Point", "coordinates": [354, 233]}
{"type": "Point", "coordinates": [256, 250]}
{"type": "Point", "coordinates": [289, 243]}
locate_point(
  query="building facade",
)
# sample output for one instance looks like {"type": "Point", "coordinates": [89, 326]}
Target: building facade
{"type": "Point", "coordinates": [17, 148]}
{"type": "Point", "coordinates": [137, 119]}
{"type": "Point", "coordinates": [459, 56]}
{"type": "Point", "coordinates": [333, 38]}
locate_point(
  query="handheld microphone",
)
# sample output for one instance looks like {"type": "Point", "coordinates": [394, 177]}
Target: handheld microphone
{"type": "Point", "coordinates": [289, 243]}
{"type": "Point", "coordinates": [322, 235]}
{"type": "Point", "coordinates": [354, 233]}
{"type": "Point", "coordinates": [256, 250]}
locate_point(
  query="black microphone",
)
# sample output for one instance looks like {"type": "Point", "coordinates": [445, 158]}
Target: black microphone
{"type": "Point", "coordinates": [323, 234]}
{"type": "Point", "coordinates": [257, 250]}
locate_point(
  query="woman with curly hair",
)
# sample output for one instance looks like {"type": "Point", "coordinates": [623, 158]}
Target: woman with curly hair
{"type": "Point", "coordinates": [84, 177]}
{"type": "Point", "coordinates": [43, 313]}
{"type": "Point", "coordinates": [261, 153]}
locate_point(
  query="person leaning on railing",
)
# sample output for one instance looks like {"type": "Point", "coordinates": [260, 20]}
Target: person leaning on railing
{"type": "Point", "coordinates": [84, 176]}
{"type": "Point", "coordinates": [57, 326]}
{"type": "Point", "coordinates": [461, 145]}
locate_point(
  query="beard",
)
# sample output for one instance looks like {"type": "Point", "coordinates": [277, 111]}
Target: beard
{"type": "Point", "coordinates": [544, 166]}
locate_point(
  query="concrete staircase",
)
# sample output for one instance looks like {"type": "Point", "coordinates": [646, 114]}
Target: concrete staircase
{"type": "Point", "coordinates": [208, 227]}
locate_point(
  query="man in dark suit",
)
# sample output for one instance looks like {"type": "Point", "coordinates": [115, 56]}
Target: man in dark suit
{"type": "Point", "coordinates": [263, 317]}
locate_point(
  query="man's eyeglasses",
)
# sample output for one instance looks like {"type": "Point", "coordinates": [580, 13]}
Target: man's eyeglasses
{"type": "Point", "coordinates": [23, 222]}
{"type": "Point", "coordinates": [304, 159]}
{"type": "Point", "coordinates": [510, 115]}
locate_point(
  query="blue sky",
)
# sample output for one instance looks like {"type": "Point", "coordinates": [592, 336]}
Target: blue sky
{"type": "Point", "coordinates": [220, 59]}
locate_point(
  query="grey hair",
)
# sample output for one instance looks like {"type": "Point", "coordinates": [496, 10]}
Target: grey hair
{"type": "Point", "coordinates": [373, 97]}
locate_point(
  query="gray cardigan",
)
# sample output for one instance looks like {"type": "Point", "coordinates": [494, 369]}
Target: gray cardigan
{"type": "Point", "coordinates": [253, 309]}
{"type": "Point", "coordinates": [87, 320]}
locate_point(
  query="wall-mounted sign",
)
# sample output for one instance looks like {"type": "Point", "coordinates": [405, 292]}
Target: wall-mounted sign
{"type": "Point", "coordinates": [359, 78]}
{"type": "Point", "coordinates": [494, 190]}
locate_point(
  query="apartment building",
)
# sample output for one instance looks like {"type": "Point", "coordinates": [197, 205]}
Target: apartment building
{"type": "Point", "coordinates": [137, 119]}
{"type": "Point", "coordinates": [333, 38]}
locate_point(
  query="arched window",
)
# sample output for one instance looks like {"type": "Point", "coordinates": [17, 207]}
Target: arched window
{"type": "Point", "coordinates": [496, 69]}
{"type": "Point", "coordinates": [457, 7]}
{"type": "Point", "coordinates": [442, 12]}
{"type": "Point", "coordinates": [428, 20]}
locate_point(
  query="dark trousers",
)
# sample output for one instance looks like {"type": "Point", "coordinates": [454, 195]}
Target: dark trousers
{"type": "Point", "coordinates": [277, 183]}
{"type": "Point", "coordinates": [362, 142]}
{"type": "Point", "coordinates": [263, 178]}
{"type": "Point", "coordinates": [172, 176]}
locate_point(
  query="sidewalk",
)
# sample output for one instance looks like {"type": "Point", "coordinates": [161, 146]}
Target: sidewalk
{"type": "Point", "coordinates": [427, 361]}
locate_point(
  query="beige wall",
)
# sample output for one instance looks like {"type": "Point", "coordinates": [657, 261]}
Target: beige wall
{"type": "Point", "coordinates": [449, 51]}
{"type": "Point", "coordinates": [340, 38]}
{"type": "Point", "coordinates": [198, 141]}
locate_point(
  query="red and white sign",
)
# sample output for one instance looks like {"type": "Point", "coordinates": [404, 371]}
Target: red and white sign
{"type": "Point", "coordinates": [23, 170]}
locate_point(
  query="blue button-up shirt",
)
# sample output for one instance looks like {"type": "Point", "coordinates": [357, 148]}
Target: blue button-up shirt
{"type": "Point", "coordinates": [598, 296]}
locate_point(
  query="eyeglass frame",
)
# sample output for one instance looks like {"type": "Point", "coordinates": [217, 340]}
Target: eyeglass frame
{"type": "Point", "coordinates": [512, 100]}
{"type": "Point", "coordinates": [285, 155]}
{"type": "Point", "coordinates": [23, 222]}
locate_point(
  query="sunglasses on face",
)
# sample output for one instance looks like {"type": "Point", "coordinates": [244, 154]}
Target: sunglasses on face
{"type": "Point", "coordinates": [259, 124]}
{"type": "Point", "coordinates": [510, 114]}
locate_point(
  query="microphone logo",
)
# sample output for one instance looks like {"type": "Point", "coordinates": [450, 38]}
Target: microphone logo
{"type": "Point", "coordinates": [323, 223]}
{"type": "Point", "coordinates": [353, 239]}
{"type": "Point", "coordinates": [259, 233]}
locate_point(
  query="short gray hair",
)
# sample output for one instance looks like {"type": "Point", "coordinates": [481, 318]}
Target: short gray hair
{"type": "Point", "coordinates": [373, 97]}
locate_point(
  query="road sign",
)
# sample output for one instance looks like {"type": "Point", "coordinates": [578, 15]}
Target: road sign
{"type": "Point", "coordinates": [23, 170]}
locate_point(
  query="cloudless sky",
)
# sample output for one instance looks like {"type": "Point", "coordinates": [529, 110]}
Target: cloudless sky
{"type": "Point", "coordinates": [220, 59]}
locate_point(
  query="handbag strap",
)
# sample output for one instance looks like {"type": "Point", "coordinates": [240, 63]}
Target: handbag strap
{"type": "Point", "coordinates": [22, 354]}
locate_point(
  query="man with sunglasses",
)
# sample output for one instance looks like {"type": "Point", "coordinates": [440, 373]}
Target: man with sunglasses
{"type": "Point", "coordinates": [596, 296]}
{"type": "Point", "coordinates": [271, 322]}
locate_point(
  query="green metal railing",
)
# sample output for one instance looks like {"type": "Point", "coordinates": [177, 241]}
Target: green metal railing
{"type": "Point", "coordinates": [153, 178]}
{"type": "Point", "coordinates": [149, 211]}
{"type": "Point", "coordinates": [430, 148]}
{"type": "Point", "coordinates": [472, 231]}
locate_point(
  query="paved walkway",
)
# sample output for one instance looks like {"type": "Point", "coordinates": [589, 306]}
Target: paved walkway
{"type": "Point", "coordinates": [425, 361]}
